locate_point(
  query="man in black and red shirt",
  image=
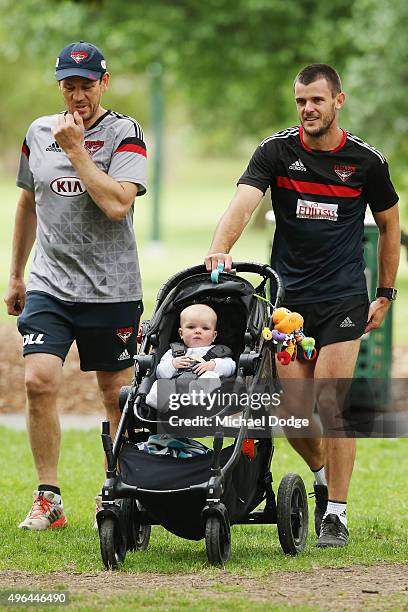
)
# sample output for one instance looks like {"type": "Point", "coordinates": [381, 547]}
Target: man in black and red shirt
{"type": "Point", "coordinates": [321, 179]}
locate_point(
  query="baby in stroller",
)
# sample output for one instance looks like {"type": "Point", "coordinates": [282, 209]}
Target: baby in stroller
{"type": "Point", "coordinates": [196, 356]}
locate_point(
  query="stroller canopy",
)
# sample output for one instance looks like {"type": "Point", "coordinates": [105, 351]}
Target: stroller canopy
{"type": "Point", "coordinates": [232, 299]}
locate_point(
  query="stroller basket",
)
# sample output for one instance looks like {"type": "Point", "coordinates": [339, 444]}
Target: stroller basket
{"type": "Point", "coordinates": [179, 508]}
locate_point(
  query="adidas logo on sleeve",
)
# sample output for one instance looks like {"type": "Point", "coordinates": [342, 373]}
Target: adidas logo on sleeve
{"type": "Point", "coordinates": [298, 165]}
{"type": "Point", "coordinates": [54, 147]}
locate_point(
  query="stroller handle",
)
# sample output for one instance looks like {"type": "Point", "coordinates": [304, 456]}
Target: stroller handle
{"type": "Point", "coordinates": [263, 270]}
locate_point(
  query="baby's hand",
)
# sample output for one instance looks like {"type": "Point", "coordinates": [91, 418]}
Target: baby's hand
{"type": "Point", "coordinates": [181, 362]}
{"type": "Point", "coordinates": [204, 367]}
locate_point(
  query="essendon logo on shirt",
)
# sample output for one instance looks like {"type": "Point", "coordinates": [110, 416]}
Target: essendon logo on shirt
{"type": "Point", "coordinates": [344, 172]}
{"type": "Point", "coordinates": [316, 210]}
{"type": "Point", "coordinates": [92, 146]}
{"type": "Point", "coordinates": [124, 333]}
{"type": "Point", "coordinates": [67, 186]}
{"type": "Point", "coordinates": [79, 56]}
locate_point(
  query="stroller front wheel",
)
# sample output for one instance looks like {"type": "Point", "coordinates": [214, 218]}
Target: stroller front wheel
{"type": "Point", "coordinates": [217, 540]}
{"type": "Point", "coordinates": [292, 514]}
{"type": "Point", "coordinates": [113, 546]}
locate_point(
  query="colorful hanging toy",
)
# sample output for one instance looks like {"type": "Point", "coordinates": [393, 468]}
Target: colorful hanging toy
{"type": "Point", "coordinates": [288, 329]}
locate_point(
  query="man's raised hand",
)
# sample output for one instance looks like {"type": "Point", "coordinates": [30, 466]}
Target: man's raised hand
{"type": "Point", "coordinates": [69, 131]}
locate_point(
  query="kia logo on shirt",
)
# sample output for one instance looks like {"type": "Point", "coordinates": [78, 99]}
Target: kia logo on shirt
{"type": "Point", "coordinates": [67, 186]}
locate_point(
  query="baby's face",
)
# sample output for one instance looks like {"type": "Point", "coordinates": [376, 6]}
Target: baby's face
{"type": "Point", "coordinates": [197, 329]}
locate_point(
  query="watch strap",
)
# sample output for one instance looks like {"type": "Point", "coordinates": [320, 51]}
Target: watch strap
{"type": "Point", "coordinates": [387, 292]}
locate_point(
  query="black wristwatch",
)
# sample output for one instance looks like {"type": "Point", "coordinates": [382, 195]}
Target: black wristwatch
{"type": "Point", "coordinates": [388, 292]}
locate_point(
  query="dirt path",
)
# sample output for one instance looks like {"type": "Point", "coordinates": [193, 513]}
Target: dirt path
{"type": "Point", "coordinates": [79, 394]}
{"type": "Point", "coordinates": [384, 587]}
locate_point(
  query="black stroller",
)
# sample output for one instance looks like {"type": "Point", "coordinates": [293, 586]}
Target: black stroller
{"type": "Point", "coordinates": [200, 497]}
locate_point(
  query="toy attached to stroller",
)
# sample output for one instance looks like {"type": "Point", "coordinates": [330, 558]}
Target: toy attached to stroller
{"type": "Point", "coordinates": [204, 493]}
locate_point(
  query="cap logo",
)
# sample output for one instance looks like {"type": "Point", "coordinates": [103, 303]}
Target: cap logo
{"type": "Point", "coordinates": [79, 56]}
{"type": "Point", "coordinates": [103, 64]}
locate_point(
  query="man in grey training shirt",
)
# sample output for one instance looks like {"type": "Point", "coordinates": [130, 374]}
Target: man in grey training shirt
{"type": "Point", "coordinates": [79, 174]}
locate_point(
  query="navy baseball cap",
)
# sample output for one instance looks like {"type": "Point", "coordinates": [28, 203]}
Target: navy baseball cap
{"type": "Point", "coordinates": [80, 59]}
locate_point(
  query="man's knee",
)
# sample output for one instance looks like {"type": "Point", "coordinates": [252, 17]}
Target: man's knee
{"type": "Point", "coordinates": [109, 394]}
{"type": "Point", "coordinates": [39, 382]}
{"type": "Point", "coordinates": [110, 398]}
{"type": "Point", "coordinates": [330, 402]}
{"type": "Point", "coordinates": [42, 375]}
{"type": "Point", "coordinates": [110, 384]}
{"type": "Point", "coordinates": [326, 394]}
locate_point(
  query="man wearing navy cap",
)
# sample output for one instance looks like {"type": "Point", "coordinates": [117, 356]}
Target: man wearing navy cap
{"type": "Point", "coordinates": [80, 171]}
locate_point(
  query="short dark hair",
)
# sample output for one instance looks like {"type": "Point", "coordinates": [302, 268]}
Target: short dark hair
{"type": "Point", "coordinates": [313, 72]}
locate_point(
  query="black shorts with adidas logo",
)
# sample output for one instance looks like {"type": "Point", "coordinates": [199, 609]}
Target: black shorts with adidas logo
{"type": "Point", "coordinates": [105, 333]}
{"type": "Point", "coordinates": [334, 321]}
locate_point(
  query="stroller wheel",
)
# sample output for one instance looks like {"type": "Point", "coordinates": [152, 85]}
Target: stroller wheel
{"type": "Point", "coordinates": [141, 532]}
{"type": "Point", "coordinates": [217, 540]}
{"type": "Point", "coordinates": [143, 537]}
{"type": "Point", "coordinates": [137, 535]}
{"type": "Point", "coordinates": [113, 545]}
{"type": "Point", "coordinates": [292, 514]}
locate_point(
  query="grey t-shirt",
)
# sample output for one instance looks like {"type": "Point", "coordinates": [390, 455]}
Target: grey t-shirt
{"type": "Point", "coordinates": [81, 255]}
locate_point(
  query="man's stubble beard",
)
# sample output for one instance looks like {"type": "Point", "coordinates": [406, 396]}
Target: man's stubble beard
{"type": "Point", "coordinates": [323, 129]}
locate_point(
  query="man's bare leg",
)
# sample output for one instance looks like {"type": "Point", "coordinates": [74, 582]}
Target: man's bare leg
{"type": "Point", "coordinates": [311, 448]}
{"type": "Point", "coordinates": [333, 374]}
{"type": "Point", "coordinates": [337, 361]}
{"type": "Point", "coordinates": [43, 374]}
{"type": "Point", "coordinates": [109, 386]}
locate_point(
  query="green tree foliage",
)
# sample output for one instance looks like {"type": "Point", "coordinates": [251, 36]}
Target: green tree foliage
{"type": "Point", "coordinates": [377, 78]}
{"type": "Point", "coordinates": [233, 60]}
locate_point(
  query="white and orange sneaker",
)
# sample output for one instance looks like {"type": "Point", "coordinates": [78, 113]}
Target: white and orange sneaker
{"type": "Point", "coordinates": [46, 512]}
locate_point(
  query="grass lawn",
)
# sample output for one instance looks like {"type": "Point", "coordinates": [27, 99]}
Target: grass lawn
{"type": "Point", "coordinates": [187, 600]}
{"type": "Point", "coordinates": [378, 515]}
{"type": "Point", "coordinates": [194, 196]}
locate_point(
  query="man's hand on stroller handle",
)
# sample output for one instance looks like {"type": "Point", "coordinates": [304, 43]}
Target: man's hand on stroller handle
{"type": "Point", "coordinates": [213, 259]}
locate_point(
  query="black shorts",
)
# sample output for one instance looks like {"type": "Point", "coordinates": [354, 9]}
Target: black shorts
{"type": "Point", "coordinates": [105, 333]}
{"type": "Point", "coordinates": [334, 321]}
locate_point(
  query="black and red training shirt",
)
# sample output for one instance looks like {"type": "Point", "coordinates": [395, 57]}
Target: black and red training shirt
{"type": "Point", "coordinates": [319, 199]}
